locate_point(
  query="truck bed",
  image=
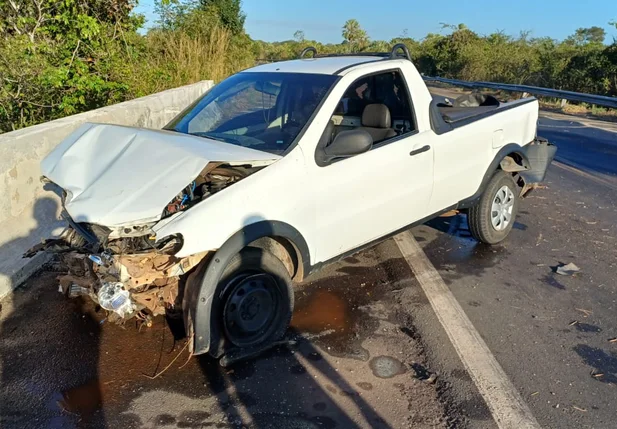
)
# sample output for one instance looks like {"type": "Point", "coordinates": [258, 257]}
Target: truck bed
{"type": "Point", "coordinates": [454, 114]}
{"type": "Point", "coordinates": [447, 117]}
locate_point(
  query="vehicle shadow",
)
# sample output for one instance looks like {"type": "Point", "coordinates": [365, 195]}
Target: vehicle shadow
{"type": "Point", "coordinates": [48, 355]}
{"type": "Point", "coordinates": [289, 386]}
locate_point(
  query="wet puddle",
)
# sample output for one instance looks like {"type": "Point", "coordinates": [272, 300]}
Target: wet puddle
{"type": "Point", "coordinates": [386, 367]}
{"type": "Point", "coordinates": [456, 254]}
{"type": "Point", "coordinates": [331, 311]}
{"type": "Point", "coordinates": [82, 400]}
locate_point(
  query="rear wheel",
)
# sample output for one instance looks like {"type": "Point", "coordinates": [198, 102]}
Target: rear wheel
{"type": "Point", "coordinates": [492, 218]}
{"type": "Point", "coordinates": [256, 299]}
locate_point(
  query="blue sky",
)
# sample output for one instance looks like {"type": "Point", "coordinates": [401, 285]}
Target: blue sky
{"type": "Point", "coordinates": [322, 20]}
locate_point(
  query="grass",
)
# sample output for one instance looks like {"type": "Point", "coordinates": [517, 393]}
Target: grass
{"type": "Point", "coordinates": [189, 59]}
{"type": "Point", "coordinates": [582, 109]}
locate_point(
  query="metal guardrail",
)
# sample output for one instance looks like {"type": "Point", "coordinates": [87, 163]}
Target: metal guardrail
{"type": "Point", "coordinates": [598, 100]}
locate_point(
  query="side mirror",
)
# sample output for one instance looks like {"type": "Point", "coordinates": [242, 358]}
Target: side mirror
{"type": "Point", "coordinates": [348, 143]}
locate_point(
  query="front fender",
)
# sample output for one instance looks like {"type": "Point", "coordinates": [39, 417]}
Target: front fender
{"type": "Point", "coordinates": [201, 303]}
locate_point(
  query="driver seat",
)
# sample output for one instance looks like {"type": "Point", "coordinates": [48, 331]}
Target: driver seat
{"type": "Point", "coordinates": [377, 122]}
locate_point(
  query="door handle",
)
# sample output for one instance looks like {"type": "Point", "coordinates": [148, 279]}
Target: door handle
{"type": "Point", "coordinates": [425, 148]}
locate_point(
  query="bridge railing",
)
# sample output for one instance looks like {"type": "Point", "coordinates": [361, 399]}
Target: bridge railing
{"type": "Point", "coordinates": [29, 214]}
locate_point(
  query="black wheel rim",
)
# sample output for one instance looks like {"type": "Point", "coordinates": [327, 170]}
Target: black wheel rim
{"type": "Point", "coordinates": [251, 308]}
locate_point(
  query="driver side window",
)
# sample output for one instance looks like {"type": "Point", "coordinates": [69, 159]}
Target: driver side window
{"type": "Point", "coordinates": [378, 104]}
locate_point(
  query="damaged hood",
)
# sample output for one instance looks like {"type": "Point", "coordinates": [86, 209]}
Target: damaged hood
{"type": "Point", "coordinates": [115, 175]}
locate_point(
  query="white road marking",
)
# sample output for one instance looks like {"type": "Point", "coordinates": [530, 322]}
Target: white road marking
{"type": "Point", "coordinates": [505, 403]}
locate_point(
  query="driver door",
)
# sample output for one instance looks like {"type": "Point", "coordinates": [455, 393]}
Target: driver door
{"type": "Point", "coordinates": [367, 196]}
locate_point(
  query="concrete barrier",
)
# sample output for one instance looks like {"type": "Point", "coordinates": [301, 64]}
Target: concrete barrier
{"type": "Point", "coordinates": [29, 214]}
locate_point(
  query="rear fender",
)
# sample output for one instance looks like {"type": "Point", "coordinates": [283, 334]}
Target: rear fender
{"type": "Point", "coordinates": [535, 159]}
{"type": "Point", "coordinates": [506, 150]}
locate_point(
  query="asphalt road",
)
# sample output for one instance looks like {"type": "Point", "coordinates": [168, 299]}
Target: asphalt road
{"type": "Point", "coordinates": [365, 339]}
{"type": "Point", "coordinates": [352, 360]}
{"type": "Point", "coordinates": [551, 333]}
{"type": "Point", "coordinates": [588, 145]}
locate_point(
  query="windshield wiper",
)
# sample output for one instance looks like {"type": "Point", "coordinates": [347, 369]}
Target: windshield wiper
{"type": "Point", "coordinates": [209, 136]}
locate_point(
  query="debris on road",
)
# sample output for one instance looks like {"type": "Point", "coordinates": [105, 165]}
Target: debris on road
{"type": "Point", "coordinates": [579, 409]}
{"type": "Point", "coordinates": [612, 340]}
{"type": "Point", "coordinates": [432, 379]}
{"type": "Point", "coordinates": [152, 377]}
{"type": "Point", "coordinates": [450, 213]}
{"type": "Point", "coordinates": [574, 322]}
{"type": "Point", "coordinates": [585, 312]}
{"type": "Point", "coordinates": [568, 269]}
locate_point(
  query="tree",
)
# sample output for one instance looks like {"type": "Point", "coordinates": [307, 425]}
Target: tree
{"type": "Point", "coordinates": [584, 36]}
{"type": "Point", "coordinates": [354, 35]}
{"type": "Point", "coordinates": [172, 12]}
{"type": "Point", "coordinates": [41, 18]}
{"type": "Point", "coordinates": [230, 12]}
{"type": "Point", "coordinates": [62, 57]}
{"type": "Point", "coordinates": [299, 36]}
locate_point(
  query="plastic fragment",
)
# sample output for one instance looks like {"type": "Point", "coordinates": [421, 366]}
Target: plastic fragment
{"type": "Point", "coordinates": [568, 269]}
{"type": "Point", "coordinates": [113, 297]}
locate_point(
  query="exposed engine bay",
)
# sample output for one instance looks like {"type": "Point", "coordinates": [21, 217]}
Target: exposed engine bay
{"type": "Point", "coordinates": [213, 179]}
{"type": "Point", "coordinates": [127, 270]}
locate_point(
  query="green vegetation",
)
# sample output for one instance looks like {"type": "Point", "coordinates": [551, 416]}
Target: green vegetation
{"type": "Point", "coordinates": [60, 57]}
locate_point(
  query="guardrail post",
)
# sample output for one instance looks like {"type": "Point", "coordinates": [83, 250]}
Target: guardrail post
{"type": "Point", "coordinates": [563, 102]}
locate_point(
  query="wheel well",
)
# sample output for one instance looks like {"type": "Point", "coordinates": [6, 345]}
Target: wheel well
{"type": "Point", "coordinates": [286, 251]}
{"type": "Point", "coordinates": [513, 163]}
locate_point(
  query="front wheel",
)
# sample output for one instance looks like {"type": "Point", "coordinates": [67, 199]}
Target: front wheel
{"type": "Point", "coordinates": [257, 299]}
{"type": "Point", "coordinates": [492, 218]}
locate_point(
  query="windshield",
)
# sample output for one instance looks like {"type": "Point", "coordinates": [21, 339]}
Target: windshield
{"type": "Point", "coordinates": [263, 111]}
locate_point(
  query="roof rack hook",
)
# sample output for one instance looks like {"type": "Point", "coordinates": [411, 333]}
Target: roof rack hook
{"type": "Point", "coordinates": [307, 50]}
{"type": "Point", "coordinates": [403, 47]}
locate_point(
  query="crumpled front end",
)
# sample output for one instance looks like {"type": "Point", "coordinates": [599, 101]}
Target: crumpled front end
{"type": "Point", "coordinates": [117, 183]}
{"type": "Point", "coordinates": [127, 276]}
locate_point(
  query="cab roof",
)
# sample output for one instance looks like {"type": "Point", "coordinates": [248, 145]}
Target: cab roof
{"type": "Point", "coordinates": [320, 65]}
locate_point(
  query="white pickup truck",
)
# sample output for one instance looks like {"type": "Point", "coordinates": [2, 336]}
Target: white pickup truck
{"type": "Point", "coordinates": [273, 173]}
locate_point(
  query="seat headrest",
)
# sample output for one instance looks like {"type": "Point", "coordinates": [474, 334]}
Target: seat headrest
{"type": "Point", "coordinates": [376, 116]}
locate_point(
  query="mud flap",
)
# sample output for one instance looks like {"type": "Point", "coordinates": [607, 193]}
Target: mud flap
{"type": "Point", "coordinates": [540, 154]}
